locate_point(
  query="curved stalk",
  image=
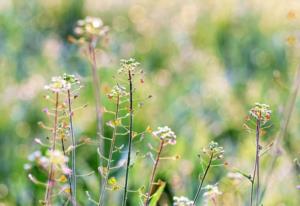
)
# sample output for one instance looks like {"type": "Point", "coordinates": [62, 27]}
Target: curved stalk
{"type": "Point", "coordinates": [151, 183]}
{"type": "Point", "coordinates": [129, 136]}
{"type": "Point", "coordinates": [102, 194]}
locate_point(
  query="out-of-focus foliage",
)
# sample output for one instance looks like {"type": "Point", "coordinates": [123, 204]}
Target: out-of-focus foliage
{"type": "Point", "coordinates": [206, 63]}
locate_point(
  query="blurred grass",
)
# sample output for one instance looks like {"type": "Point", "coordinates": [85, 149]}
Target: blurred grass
{"type": "Point", "coordinates": [206, 63]}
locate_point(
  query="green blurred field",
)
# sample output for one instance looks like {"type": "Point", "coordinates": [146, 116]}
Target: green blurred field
{"type": "Point", "coordinates": [206, 64]}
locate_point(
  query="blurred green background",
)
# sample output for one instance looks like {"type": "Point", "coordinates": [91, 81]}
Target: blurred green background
{"type": "Point", "coordinates": [206, 64]}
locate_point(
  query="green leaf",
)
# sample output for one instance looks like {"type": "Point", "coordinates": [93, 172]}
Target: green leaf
{"type": "Point", "coordinates": [156, 196]}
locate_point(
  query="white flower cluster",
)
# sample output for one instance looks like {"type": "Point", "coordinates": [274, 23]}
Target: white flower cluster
{"type": "Point", "coordinates": [212, 191]}
{"type": "Point", "coordinates": [165, 134]}
{"type": "Point", "coordinates": [37, 158]}
{"type": "Point", "coordinates": [62, 83]}
{"type": "Point", "coordinates": [215, 150]}
{"type": "Point", "coordinates": [118, 90]}
{"type": "Point", "coordinates": [90, 29]}
{"type": "Point", "coordinates": [58, 84]}
{"type": "Point", "coordinates": [182, 201]}
{"type": "Point", "coordinates": [58, 159]}
{"type": "Point", "coordinates": [128, 65]}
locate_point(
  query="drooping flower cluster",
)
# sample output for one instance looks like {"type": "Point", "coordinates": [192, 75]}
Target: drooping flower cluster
{"type": "Point", "coordinates": [261, 112]}
{"type": "Point", "coordinates": [165, 134]}
{"type": "Point", "coordinates": [90, 29]}
{"type": "Point", "coordinates": [213, 149]}
{"type": "Point", "coordinates": [182, 201]}
{"type": "Point", "coordinates": [59, 160]}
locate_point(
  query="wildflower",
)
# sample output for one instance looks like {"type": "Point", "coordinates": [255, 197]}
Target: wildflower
{"type": "Point", "coordinates": [212, 192]}
{"type": "Point", "coordinates": [165, 134]}
{"type": "Point", "coordinates": [213, 149]}
{"type": "Point", "coordinates": [182, 201]}
{"type": "Point", "coordinates": [118, 90]}
{"type": "Point", "coordinates": [261, 112]}
{"type": "Point", "coordinates": [57, 157]}
{"type": "Point", "coordinates": [90, 29]}
{"type": "Point", "coordinates": [58, 84]}
{"type": "Point", "coordinates": [128, 65]}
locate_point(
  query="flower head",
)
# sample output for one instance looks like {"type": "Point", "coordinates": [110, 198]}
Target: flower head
{"type": "Point", "coordinates": [261, 112]}
{"type": "Point", "coordinates": [182, 201]}
{"type": "Point", "coordinates": [213, 149]}
{"type": "Point", "coordinates": [58, 84]}
{"type": "Point", "coordinates": [128, 65]}
{"type": "Point", "coordinates": [165, 134]}
{"type": "Point", "coordinates": [90, 29]}
{"type": "Point", "coordinates": [118, 90]}
{"type": "Point", "coordinates": [212, 191]}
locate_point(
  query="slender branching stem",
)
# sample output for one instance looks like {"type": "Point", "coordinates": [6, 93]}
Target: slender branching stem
{"type": "Point", "coordinates": [129, 136]}
{"type": "Point", "coordinates": [50, 182]}
{"type": "Point", "coordinates": [113, 140]}
{"type": "Point", "coordinates": [151, 183]}
{"type": "Point", "coordinates": [73, 152]}
{"type": "Point", "coordinates": [202, 180]}
{"type": "Point", "coordinates": [96, 88]}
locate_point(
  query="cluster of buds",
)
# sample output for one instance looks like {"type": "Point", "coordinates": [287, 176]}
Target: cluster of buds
{"type": "Point", "coordinates": [213, 149]}
{"type": "Point", "coordinates": [90, 30]}
{"type": "Point", "coordinates": [261, 112]}
{"type": "Point", "coordinates": [118, 90]}
{"type": "Point", "coordinates": [182, 201]}
{"type": "Point", "coordinates": [165, 134]}
{"type": "Point", "coordinates": [128, 65]}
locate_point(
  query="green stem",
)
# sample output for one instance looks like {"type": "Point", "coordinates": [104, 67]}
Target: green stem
{"type": "Point", "coordinates": [96, 87]}
{"type": "Point", "coordinates": [205, 173]}
{"type": "Point", "coordinates": [50, 181]}
{"type": "Point", "coordinates": [102, 194]}
{"type": "Point", "coordinates": [129, 136]}
{"type": "Point", "coordinates": [151, 183]}
{"type": "Point", "coordinates": [73, 152]}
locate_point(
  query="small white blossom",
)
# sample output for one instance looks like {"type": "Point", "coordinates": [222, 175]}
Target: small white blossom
{"type": "Point", "coordinates": [165, 134]}
{"type": "Point", "coordinates": [182, 201]}
{"type": "Point", "coordinates": [58, 84]}
{"type": "Point", "coordinates": [118, 90]}
{"type": "Point", "coordinates": [90, 29]}
{"type": "Point", "coordinates": [212, 191]}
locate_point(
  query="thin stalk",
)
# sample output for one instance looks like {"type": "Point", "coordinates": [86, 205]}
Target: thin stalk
{"type": "Point", "coordinates": [96, 88]}
{"type": "Point", "coordinates": [50, 182]}
{"type": "Point", "coordinates": [69, 176]}
{"type": "Point", "coordinates": [113, 140]}
{"type": "Point", "coordinates": [205, 173]}
{"type": "Point", "coordinates": [73, 152]}
{"type": "Point", "coordinates": [151, 183]}
{"type": "Point", "coordinates": [129, 136]}
{"type": "Point", "coordinates": [257, 160]}
{"type": "Point", "coordinates": [288, 111]}
{"type": "Point", "coordinates": [252, 184]}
